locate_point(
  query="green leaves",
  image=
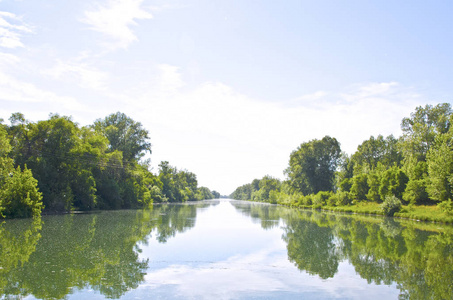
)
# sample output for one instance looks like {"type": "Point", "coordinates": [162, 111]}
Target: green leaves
{"type": "Point", "coordinates": [19, 197]}
{"type": "Point", "coordinates": [391, 205]}
{"type": "Point", "coordinates": [312, 166]}
{"type": "Point", "coordinates": [125, 135]}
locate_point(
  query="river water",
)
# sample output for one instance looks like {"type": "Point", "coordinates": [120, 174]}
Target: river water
{"type": "Point", "coordinates": [224, 249]}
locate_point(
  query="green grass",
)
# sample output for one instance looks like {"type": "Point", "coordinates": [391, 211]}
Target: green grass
{"type": "Point", "coordinates": [420, 213]}
{"type": "Point", "coordinates": [424, 213]}
{"type": "Point", "coordinates": [429, 213]}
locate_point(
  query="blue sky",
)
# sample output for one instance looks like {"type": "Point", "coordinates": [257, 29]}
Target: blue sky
{"type": "Point", "coordinates": [227, 89]}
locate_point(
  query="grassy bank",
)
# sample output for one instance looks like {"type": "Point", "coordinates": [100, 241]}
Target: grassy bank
{"type": "Point", "coordinates": [429, 213]}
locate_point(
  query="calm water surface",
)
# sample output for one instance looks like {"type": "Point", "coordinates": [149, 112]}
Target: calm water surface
{"type": "Point", "coordinates": [224, 250]}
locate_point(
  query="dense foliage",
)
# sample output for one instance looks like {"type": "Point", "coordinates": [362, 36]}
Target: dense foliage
{"type": "Point", "coordinates": [57, 165]}
{"type": "Point", "coordinates": [415, 169]}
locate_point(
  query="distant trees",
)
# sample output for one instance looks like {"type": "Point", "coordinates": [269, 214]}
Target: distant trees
{"type": "Point", "coordinates": [259, 190]}
{"type": "Point", "coordinates": [84, 168]}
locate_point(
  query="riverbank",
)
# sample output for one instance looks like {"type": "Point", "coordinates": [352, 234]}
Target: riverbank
{"type": "Point", "coordinates": [427, 213]}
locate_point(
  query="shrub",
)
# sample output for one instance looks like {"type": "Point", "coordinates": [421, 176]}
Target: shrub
{"type": "Point", "coordinates": [20, 197]}
{"type": "Point", "coordinates": [320, 199]}
{"type": "Point", "coordinates": [391, 205]}
{"type": "Point", "coordinates": [308, 200]}
{"type": "Point", "coordinates": [343, 198]}
{"type": "Point", "coordinates": [446, 207]}
{"type": "Point", "coordinates": [332, 200]}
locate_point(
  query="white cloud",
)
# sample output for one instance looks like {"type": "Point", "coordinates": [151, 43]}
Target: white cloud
{"type": "Point", "coordinates": [212, 128]}
{"type": "Point", "coordinates": [17, 91]}
{"type": "Point", "coordinates": [8, 59]}
{"type": "Point", "coordinates": [170, 80]}
{"type": "Point", "coordinates": [11, 29]}
{"type": "Point", "coordinates": [84, 74]}
{"type": "Point", "coordinates": [114, 20]}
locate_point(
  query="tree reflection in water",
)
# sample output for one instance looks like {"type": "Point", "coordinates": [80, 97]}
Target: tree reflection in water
{"type": "Point", "coordinates": [416, 256]}
{"type": "Point", "coordinates": [53, 257]}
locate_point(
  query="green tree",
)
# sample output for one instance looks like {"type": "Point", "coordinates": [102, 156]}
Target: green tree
{"type": "Point", "coordinates": [19, 194]}
{"type": "Point", "coordinates": [359, 187]}
{"type": "Point", "coordinates": [266, 185]}
{"type": "Point", "coordinates": [393, 183]}
{"type": "Point", "coordinates": [420, 131]}
{"type": "Point", "coordinates": [125, 135]}
{"type": "Point", "coordinates": [440, 168]}
{"type": "Point", "coordinates": [204, 193]}
{"type": "Point", "coordinates": [374, 151]}
{"type": "Point", "coordinates": [20, 197]}
{"type": "Point", "coordinates": [312, 166]}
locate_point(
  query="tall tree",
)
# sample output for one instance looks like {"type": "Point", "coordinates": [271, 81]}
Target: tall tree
{"type": "Point", "coordinates": [421, 129]}
{"type": "Point", "coordinates": [374, 150]}
{"type": "Point", "coordinates": [312, 166]}
{"type": "Point", "coordinates": [125, 135]}
{"type": "Point", "coordinates": [440, 168]}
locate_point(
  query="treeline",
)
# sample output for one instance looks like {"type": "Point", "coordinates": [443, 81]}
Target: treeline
{"type": "Point", "coordinates": [58, 166]}
{"type": "Point", "coordinates": [414, 169]}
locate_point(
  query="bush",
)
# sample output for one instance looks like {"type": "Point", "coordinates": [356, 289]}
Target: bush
{"type": "Point", "coordinates": [320, 199]}
{"type": "Point", "coordinates": [20, 197]}
{"type": "Point", "coordinates": [343, 198]}
{"type": "Point", "coordinates": [446, 207]}
{"type": "Point", "coordinates": [332, 200]}
{"type": "Point", "coordinates": [308, 200]}
{"type": "Point", "coordinates": [391, 205]}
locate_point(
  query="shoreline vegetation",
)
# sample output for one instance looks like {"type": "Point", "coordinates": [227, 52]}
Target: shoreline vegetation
{"type": "Point", "coordinates": [424, 213]}
{"type": "Point", "coordinates": [407, 177]}
{"type": "Point", "coordinates": [56, 166]}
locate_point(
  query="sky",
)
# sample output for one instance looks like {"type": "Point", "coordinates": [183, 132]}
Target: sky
{"type": "Point", "coordinates": [228, 89]}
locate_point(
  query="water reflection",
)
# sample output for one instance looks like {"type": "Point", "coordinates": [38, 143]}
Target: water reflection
{"type": "Point", "coordinates": [226, 254]}
{"type": "Point", "coordinates": [418, 257]}
{"type": "Point", "coordinates": [59, 255]}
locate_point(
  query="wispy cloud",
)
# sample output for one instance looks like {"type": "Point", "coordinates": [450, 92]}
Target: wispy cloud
{"type": "Point", "coordinates": [256, 137]}
{"type": "Point", "coordinates": [17, 91]}
{"type": "Point", "coordinates": [11, 30]}
{"type": "Point", "coordinates": [85, 75]}
{"type": "Point", "coordinates": [114, 20]}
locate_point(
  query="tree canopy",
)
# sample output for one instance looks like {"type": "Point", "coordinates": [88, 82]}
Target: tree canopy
{"type": "Point", "coordinates": [312, 166]}
{"type": "Point", "coordinates": [57, 165]}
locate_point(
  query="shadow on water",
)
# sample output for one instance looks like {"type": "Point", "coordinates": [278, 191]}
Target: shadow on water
{"type": "Point", "coordinates": [417, 257]}
{"type": "Point", "coordinates": [53, 257]}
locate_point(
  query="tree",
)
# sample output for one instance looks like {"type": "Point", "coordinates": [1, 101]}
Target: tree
{"type": "Point", "coordinates": [374, 151]}
{"type": "Point", "coordinates": [393, 183]}
{"type": "Point", "coordinates": [268, 184]}
{"type": "Point", "coordinates": [312, 166]}
{"type": "Point", "coordinates": [215, 194]}
{"type": "Point", "coordinates": [19, 194]}
{"type": "Point", "coordinates": [204, 193]}
{"type": "Point", "coordinates": [420, 131]}
{"type": "Point", "coordinates": [359, 187]}
{"type": "Point", "coordinates": [440, 168]}
{"type": "Point", "coordinates": [20, 197]}
{"type": "Point", "coordinates": [125, 135]}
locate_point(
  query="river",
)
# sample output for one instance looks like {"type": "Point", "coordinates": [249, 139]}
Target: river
{"type": "Point", "coordinates": [224, 249]}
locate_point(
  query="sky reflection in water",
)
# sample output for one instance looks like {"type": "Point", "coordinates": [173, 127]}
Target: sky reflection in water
{"type": "Point", "coordinates": [224, 250]}
{"type": "Point", "coordinates": [229, 256]}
